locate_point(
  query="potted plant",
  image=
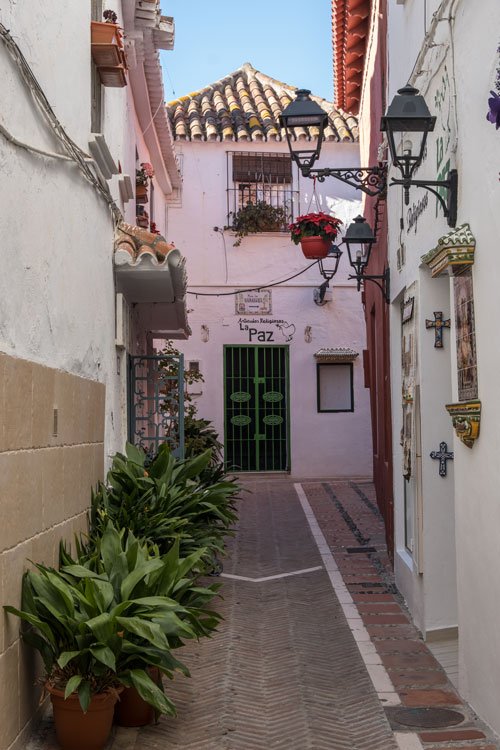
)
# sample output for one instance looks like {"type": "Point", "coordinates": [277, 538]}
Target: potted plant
{"type": "Point", "coordinates": [180, 608]}
{"type": "Point", "coordinates": [108, 50]}
{"type": "Point", "coordinates": [170, 500]}
{"type": "Point", "coordinates": [316, 233]}
{"type": "Point", "coordinates": [258, 217]}
{"type": "Point", "coordinates": [99, 624]}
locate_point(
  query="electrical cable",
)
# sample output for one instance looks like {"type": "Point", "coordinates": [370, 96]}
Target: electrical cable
{"type": "Point", "coordinates": [72, 149]}
{"type": "Point", "coordinates": [252, 289]}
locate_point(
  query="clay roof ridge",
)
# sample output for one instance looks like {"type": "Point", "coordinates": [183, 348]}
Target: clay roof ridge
{"type": "Point", "coordinates": [245, 105]}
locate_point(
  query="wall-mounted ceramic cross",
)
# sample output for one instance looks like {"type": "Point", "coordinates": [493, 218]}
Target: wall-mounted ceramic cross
{"type": "Point", "coordinates": [442, 455]}
{"type": "Point", "coordinates": [438, 324]}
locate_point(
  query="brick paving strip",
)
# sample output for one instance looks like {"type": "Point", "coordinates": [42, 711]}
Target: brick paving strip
{"type": "Point", "coordinates": [288, 669]}
{"type": "Point", "coordinates": [347, 516]}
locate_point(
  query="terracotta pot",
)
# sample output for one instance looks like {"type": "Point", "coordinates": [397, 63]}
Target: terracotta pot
{"type": "Point", "coordinates": [131, 710]}
{"type": "Point", "coordinates": [76, 730]}
{"type": "Point", "coordinates": [104, 33]}
{"type": "Point", "coordinates": [315, 247]}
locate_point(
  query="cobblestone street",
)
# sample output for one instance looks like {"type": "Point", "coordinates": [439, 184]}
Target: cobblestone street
{"type": "Point", "coordinates": [316, 650]}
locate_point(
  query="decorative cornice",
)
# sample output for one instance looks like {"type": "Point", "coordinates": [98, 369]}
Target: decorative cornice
{"type": "Point", "coordinates": [336, 355]}
{"type": "Point", "coordinates": [466, 419]}
{"type": "Point", "coordinates": [453, 253]}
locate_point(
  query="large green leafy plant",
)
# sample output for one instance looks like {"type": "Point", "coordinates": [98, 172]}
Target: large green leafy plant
{"type": "Point", "coordinates": [103, 618]}
{"type": "Point", "coordinates": [167, 502]}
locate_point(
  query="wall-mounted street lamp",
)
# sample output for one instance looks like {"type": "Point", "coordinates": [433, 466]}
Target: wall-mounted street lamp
{"type": "Point", "coordinates": [359, 240]}
{"type": "Point", "coordinates": [408, 113]}
{"type": "Point", "coordinates": [303, 112]}
{"type": "Point", "coordinates": [328, 270]}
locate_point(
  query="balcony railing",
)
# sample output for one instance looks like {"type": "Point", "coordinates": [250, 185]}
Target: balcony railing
{"type": "Point", "coordinates": [277, 196]}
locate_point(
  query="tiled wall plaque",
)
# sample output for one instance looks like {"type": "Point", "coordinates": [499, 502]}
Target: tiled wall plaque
{"type": "Point", "coordinates": [254, 303]}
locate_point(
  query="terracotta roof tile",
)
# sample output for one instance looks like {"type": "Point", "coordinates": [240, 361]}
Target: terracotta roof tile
{"type": "Point", "coordinates": [350, 28]}
{"type": "Point", "coordinates": [245, 106]}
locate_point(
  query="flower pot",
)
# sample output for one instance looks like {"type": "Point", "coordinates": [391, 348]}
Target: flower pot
{"type": "Point", "coordinates": [106, 55]}
{"type": "Point", "coordinates": [76, 730]}
{"type": "Point", "coordinates": [141, 194]}
{"type": "Point", "coordinates": [132, 710]}
{"type": "Point", "coordinates": [315, 247]}
{"type": "Point", "coordinates": [113, 77]}
{"type": "Point", "coordinates": [105, 33]}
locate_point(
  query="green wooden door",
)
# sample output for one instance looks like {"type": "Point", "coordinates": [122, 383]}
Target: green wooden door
{"type": "Point", "coordinates": [256, 408]}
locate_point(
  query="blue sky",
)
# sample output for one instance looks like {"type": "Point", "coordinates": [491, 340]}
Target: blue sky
{"type": "Point", "coordinates": [290, 41]}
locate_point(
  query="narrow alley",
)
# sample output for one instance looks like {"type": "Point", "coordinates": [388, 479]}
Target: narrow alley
{"type": "Point", "coordinates": [316, 650]}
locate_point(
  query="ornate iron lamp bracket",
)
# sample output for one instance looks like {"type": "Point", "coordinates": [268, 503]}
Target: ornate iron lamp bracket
{"type": "Point", "coordinates": [449, 205]}
{"type": "Point", "coordinates": [382, 280]}
{"type": "Point", "coordinates": [371, 180]}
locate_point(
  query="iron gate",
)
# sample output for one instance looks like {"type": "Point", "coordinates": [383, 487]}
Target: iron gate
{"type": "Point", "coordinates": [256, 408]}
{"type": "Point", "coordinates": [156, 402]}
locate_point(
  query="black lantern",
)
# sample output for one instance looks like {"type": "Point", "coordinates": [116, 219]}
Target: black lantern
{"type": "Point", "coordinates": [304, 112]}
{"type": "Point", "coordinates": [408, 114]}
{"type": "Point", "coordinates": [359, 239]}
{"type": "Point", "coordinates": [328, 268]}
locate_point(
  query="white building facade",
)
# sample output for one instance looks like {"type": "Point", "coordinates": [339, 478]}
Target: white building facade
{"type": "Point", "coordinates": [284, 382]}
{"type": "Point", "coordinates": [445, 360]}
{"type": "Point", "coordinates": [70, 144]}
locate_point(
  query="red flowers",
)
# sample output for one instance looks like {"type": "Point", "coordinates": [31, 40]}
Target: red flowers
{"type": "Point", "coordinates": [315, 225]}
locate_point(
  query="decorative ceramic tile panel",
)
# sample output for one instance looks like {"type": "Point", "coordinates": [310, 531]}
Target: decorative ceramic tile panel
{"type": "Point", "coordinates": [466, 336]}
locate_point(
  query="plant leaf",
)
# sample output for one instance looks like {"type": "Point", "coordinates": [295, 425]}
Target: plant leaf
{"type": "Point", "coordinates": [72, 685]}
{"type": "Point", "coordinates": [104, 655]}
{"type": "Point", "coordinates": [84, 695]}
{"type": "Point", "coordinates": [66, 657]}
{"type": "Point", "coordinates": [147, 630]}
{"type": "Point", "coordinates": [151, 693]}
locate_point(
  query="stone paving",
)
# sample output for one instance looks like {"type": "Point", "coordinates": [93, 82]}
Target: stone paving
{"type": "Point", "coordinates": [294, 666]}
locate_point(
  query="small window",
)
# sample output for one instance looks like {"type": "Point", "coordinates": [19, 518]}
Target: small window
{"type": "Point", "coordinates": [335, 387]}
{"type": "Point", "coordinates": [255, 177]}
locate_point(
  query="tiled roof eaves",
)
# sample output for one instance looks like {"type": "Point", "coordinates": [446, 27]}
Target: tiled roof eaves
{"type": "Point", "coordinates": [245, 106]}
{"type": "Point", "coordinates": [350, 29]}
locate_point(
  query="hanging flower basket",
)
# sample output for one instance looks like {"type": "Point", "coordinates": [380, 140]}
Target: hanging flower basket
{"type": "Point", "coordinates": [315, 233]}
{"type": "Point", "coordinates": [315, 247]}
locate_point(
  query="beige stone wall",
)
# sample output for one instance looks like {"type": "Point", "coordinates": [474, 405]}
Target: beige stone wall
{"type": "Point", "coordinates": [46, 474]}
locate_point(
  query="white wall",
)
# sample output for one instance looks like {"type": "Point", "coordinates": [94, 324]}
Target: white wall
{"type": "Point", "coordinates": [476, 471]}
{"type": "Point", "coordinates": [326, 444]}
{"type": "Point", "coordinates": [56, 286]}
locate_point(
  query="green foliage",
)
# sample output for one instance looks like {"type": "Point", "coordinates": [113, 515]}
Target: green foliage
{"type": "Point", "coordinates": [105, 616]}
{"type": "Point", "coordinates": [258, 217]}
{"type": "Point", "coordinates": [168, 502]}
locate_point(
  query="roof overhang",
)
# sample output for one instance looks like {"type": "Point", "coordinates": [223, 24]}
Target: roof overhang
{"type": "Point", "coordinates": [350, 29]}
{"type": "Point", "coordinates": [147, 31]}
{"type": "Point", "coordinates": [150, 271]}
